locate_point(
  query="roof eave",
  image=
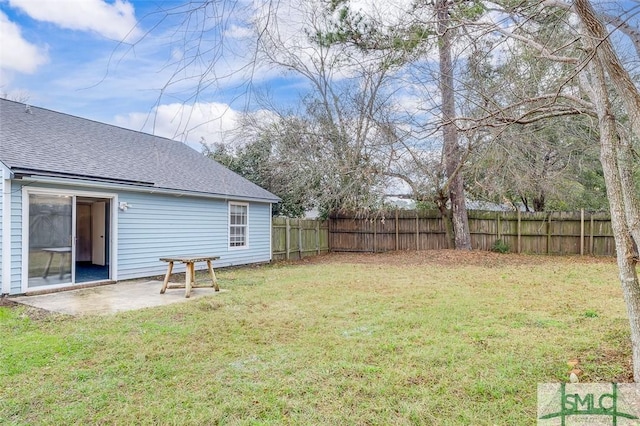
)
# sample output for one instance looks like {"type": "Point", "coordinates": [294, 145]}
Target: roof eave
{"type": "Point", "coordinates": [135, 187]}
{"type": "Point", "coordinates": [21, 173]}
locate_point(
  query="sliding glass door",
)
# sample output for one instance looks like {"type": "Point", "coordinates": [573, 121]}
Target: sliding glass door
{"type": "Point", "coordinates": [50, 239]}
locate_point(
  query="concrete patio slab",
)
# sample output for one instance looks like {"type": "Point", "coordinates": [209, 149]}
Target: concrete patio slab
{"type": "Point", "coordinates": [107, 299]}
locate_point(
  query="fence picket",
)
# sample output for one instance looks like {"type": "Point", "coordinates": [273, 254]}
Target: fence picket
{"type": "Point", "coordinates": [523, 232]}
{"type": "Point", "coordinates": [539, 233]}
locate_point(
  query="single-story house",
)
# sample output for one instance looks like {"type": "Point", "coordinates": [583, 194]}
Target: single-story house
{"type": "Point", "coordinates": [86, 202]}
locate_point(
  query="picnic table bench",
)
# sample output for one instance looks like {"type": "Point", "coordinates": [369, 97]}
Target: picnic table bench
{"type": "Point", "coordinates": [190, 275]}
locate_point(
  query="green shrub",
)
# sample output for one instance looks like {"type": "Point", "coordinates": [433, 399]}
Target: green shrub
{"type": "Point", "coordinates": [500, 246]}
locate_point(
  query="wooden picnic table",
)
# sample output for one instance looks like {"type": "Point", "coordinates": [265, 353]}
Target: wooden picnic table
{"type": "Point", "coordinates": [190, 275]}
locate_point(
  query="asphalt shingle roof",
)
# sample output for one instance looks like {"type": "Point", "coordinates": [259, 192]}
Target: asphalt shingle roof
{"type": "Point", "coordinates": [49, 142]}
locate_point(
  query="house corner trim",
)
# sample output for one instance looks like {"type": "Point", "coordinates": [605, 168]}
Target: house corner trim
{"type": "Point", "coordinates": [6, 232]}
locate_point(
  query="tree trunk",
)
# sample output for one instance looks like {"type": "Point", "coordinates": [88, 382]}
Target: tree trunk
{"type": "Point", "coordinates": [445, 214]}
{"type": "Point", "coordinates": [452, 156]}
{"type": "Point", "coordinates": [609, 147]}
{"type": "Point", "coordinates": [624, 244]}
{"type": "Point", "coordinates": [539, 202]}
{"type": "Point", "coordinates": [630, 96]}
{"type": "Point", "coordinates": [629, 194]}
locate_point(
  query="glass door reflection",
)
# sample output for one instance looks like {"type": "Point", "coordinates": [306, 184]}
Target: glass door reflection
{"type": "Point", "coordinates": [50, 239]}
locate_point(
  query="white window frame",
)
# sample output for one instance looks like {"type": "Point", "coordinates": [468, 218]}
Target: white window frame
{"type": "Point", "coordinates": [246, 226]}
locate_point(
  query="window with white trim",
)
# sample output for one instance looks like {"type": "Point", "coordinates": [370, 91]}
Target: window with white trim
{"type": "Point", "coordinates": [238, 224]}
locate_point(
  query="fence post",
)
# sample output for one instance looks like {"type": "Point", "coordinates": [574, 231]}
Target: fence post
{"type": "Point", "coordinates": [329, 233]}
{"type": "Point", "coordinates": [549, 234]}
{"type": "Point", "coordinates": [581, 232]}
{"type": "Point", "coordinates": [417, 233]}
{"type": "Point", "coordinates": [499, 233]}
{"type": "Point", "coordinates": [591, 242]}
{"type": "Point", "coordinates": [519, 233]}
{"type": "Point", "coordinates": [397, 245]}
{"type": "Point", "coordinates": [317, 236]}
{"type": "Point", "coordinates": [299, 238]}
{"type": "Point", "coordinates": [375, 235]}
{"type": "Point", "coordinates": [288, 238]}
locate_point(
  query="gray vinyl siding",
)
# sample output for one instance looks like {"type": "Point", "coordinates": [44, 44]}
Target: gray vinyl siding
{"type": "Point", "coordinates": [156, 226]}
{"type": "Point", "coordinates": [3, 188]}
{"type": "Point", "coordinates": [160, 225]}
{"type": "Point", "coordinates": [260, 230]}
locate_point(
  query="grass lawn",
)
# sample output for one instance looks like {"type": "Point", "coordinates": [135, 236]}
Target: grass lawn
{"type": "Point", "coordinates": [439, 338]}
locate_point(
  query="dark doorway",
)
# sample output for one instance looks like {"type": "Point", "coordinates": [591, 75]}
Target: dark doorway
{"type": "Point", "coordinates": [92, 237]}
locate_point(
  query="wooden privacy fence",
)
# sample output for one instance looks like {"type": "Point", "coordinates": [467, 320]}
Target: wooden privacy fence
{"type": "Point", "coordinates": [298, 238]}
{"type": "Point", "coordinates": [540, 232]}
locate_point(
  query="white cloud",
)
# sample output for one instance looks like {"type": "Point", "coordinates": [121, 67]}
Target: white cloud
{"type": "Point", "coordinates": [390, 12]}
{"type": "Point", "coordinates": [209, 122]}
{"type": "Point", "coordinates": [16, 53]}
{"type": "Point", "coordinates": [112, 20]}
{"type": "Point", "coordinates": [239, 32]}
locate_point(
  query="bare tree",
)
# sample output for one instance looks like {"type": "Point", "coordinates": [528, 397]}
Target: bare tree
{"type": "Point", "coordinates": [594, 63]}
{"type": "Point", "coordinates": [615, 158]}
{"type": "Point", "coordinates": [339, 132]}
{"type": "Point", "coordinates": [409, 40]}
{"type": "Point", "coordinates": [539, 166]}
{"type": "Point", "coordinates": [517, 157]}
{"type": "Point", "coordinates": [20, 96]}
{"type": "Point", "coordinates": [340, 135]}
{"type": "Point", "coordinates": [452, 154]}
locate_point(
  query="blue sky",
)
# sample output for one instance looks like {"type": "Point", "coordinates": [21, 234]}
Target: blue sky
{"type": "Point", "coordinates": [109, 60]}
